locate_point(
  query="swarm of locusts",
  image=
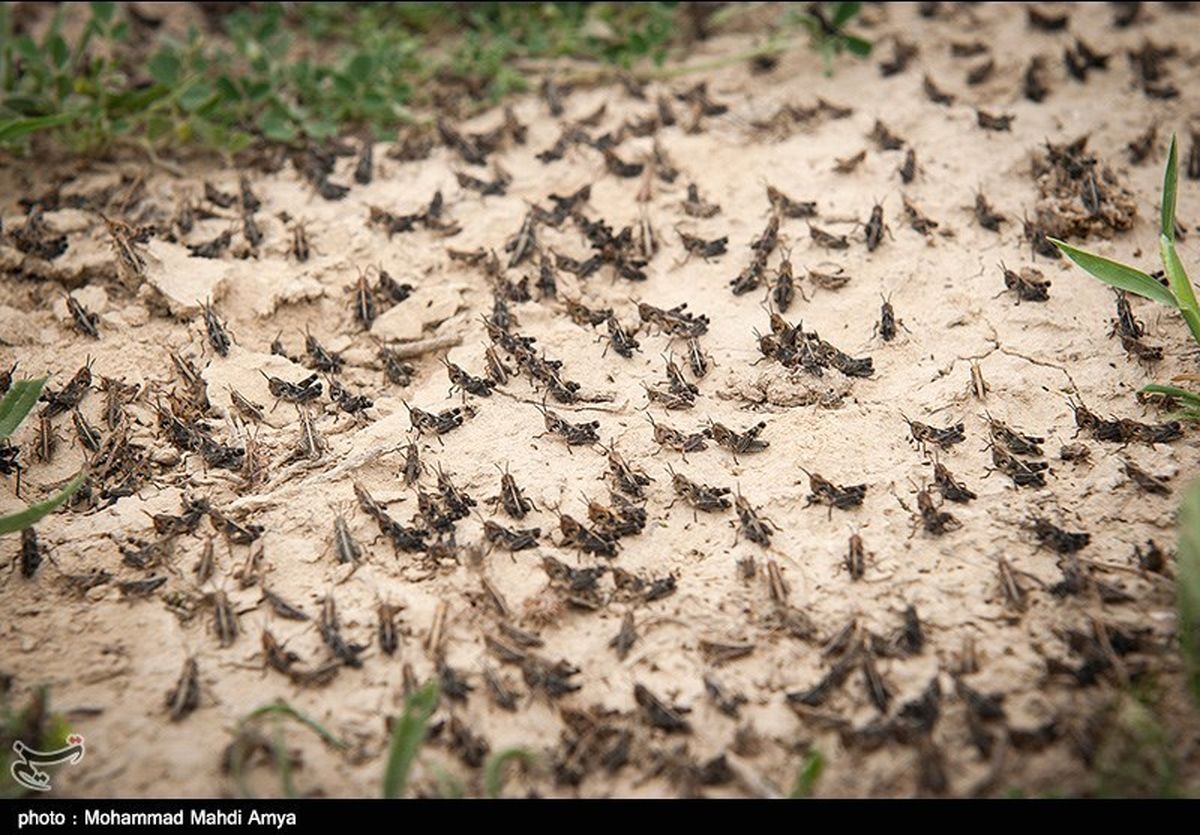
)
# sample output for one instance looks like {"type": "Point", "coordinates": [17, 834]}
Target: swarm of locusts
{"type": "Point", "coordinates": [687, 452]}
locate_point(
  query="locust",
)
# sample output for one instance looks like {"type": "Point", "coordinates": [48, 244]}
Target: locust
{"type": "Point", "coordinates": [824, 491]}
{"type": "Point", "coordinates": [575, 434]}
{"type": "Point", "coordinates": [950, 488]}
{"type": "Point", "coordinates": [1016, 442]}
{"type": "Point", "coordinates": [847, 165]}
{"type": "Point", "coordinates": [440, 423]}
{"type": "Point", "coordinates": [700, 496]}
{"type": "Point", "coordinates": [989, 121]}
{"type": "Point", "coordinates": [704, 248]}
{"type": "Point", "coordinates": [619, 167]}
{"type": "Point", "coordinates": [412, 464]}
{"type": "Point", "coordinates": [250, 231]}
{"type": "Point", "coordinates": [71, 395]}
{"type": "Point", "coordinates": [1030, 285]}
{"type": "Point", "coordinates": [1023, 473]}
{"type": "Point", "coordinates": [225, 621]}
{"type": "Point", "coordinates": [1034, 83]}
{"type": "Point", "coordinates": [457, 502]}
{"type": "Point", "coordinates": [460, 380]}
{"type": "Point", "coordinates": [31, 553]}
{"type": "Point", "coordinates": [85, 321]}
{"type": "Point", "coordinates": [757, 528]}
{"type": "Point", "coordinates": [395, 370]}
{"type": "Point", "coordinates": [322, 359]}
{"type": "Point", "coordinates": [213, 248]}
{"type": "Point", "coordinates": [524, 243]}
{"type": "Point", "coordinates": [302, 392]}
{"type": "Point", "coordinates": [908, 169]}
{"type": "Point", "coordinates": [981, 72]}
{"type": "Point", "coordinates": [485, 188]}
{"type": "Point", "coordinates": [787, 207]}
{"type": "Point", "coordinates": [184, 697]}
{"type": "Point", "coordinates": [275, 656]}
{"type": "Point", "coordinates": [581, 314]}
{"type": "Point", "coordinates": [875, 228]}
{"type": "Point", "coordinates": [935, 521]}
{"type": "Point", "coordinates": [945, 438]}
{"type": "Point", "coordinates": [283, 608]}
{"type": "Point", "coordinates": [351, 404]}
{"type": "Point", "coordinates": [827, 239]}
{"type": "Point", "coordinates": [576, 535]}
{"type": "Point", "coordinates": [934, 94]}
{"type": "Point", "coordinates": [671, 438]}
{"type": "Point", "coordinates": [986, 216]}
{"type": "Point", "coordinates": [300, 246]}
{"type": "Point", "coordinates": [628, 480]}
{"type": "Point", "coordinates": [331, 635]}
{"type": "Point", "coordinates": [344, 546]}
{"type": "Point", "coordinates": [389, 641]}
{"type": "Point", "coordinates": [88, 435]}
{"type": "Point", "coordinates": [511, 498]}
{"type": "Point", "coordinates": [738, 442]}
{"type": "Point", "coordinates": [1148, 482]}
{"type": "Point", "coordinates": [621, 340]}
{"type": "Point", "coordinates": [1059, 540]}
{"type": "Point", "coordinates": [855, 557]}
{"type": "Point", "coordinates": [678, 321]}
{"type": "Point", "coordinates": [364, 302]}
{"type": "Point", "coordinates": [510, 540]}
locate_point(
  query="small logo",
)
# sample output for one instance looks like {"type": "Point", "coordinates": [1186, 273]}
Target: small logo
{"type": "Point", "coordinates": [25, 767]}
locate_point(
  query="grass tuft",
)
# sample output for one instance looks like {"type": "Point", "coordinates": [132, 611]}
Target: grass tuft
{"type": "Point", "coordinates": [408, 735]}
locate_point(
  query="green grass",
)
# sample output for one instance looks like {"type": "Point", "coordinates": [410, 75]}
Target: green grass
{"type": "Point", "coordinates": [1187, 586]}
{"type": "Point", "coordinates": [808, 775]}
{"type": "Point", "coordinates": [1177, 294]}
{"type": "Point", "coordinates": [36, 725]}
{"type": "Point", "coordinates": [408, 735]}
{"type": "Point", "coordinates": [305, 71]}
{"type": "Point", "coordinates": [246, 742]}
{"type": "Point", "coordinates": [494, 769]}
{"type": "Point", "coordinates": [288, 73]}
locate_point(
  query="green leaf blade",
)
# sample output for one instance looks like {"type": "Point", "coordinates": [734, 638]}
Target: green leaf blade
{"type": "Point", "coordinates": [408, 735]}
{"type": "Point", "coordinates": [31, 515]}
{"type": "Point", "coordinates": [17, 403]}
{"type": "Point", "coordinates": [1170, 191]}
{"type": "Point", "coordinates": [1191, 398]}
{"type": "Point", "coordinates": [1188, 585]}
{"type": "Point", "coordinates": [1116, 274]}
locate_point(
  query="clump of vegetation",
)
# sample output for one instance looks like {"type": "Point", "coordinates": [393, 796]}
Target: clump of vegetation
{"type": "Point", "coordinates": [808, 775]}
{"type": "Point", "coordinates": [35, 725]}
{"type": "Point", "coordinates": [1187, 586]}
{"type": "Point", "coordinates": [16, 404]}
{"type": "Point", "coordinates": [249, 740]}
{"type": "Point", "coordinates": [493, 771]}
{"type": "Point", "coordinates": [826, 24]}
{"type": "Point", "coordinates": [408, 735]}
{"type": "Point", "coordinates": [1178, 292]}
{"type": "Point", "coordinates": [288, 73]}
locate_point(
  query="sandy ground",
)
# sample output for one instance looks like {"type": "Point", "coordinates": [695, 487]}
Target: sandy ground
{"type": "Point", "coordinates": [110, 660]}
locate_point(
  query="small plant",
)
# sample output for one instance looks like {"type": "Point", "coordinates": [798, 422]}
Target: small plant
{"type": "Point", "coordinates": [493, 771]}
{"type": "Point", "coordinates": [1187, 586]}
{"type": "Point", "coordinates": [809, 773]}
{"type": "Point", "coordinates": [248, 740]}
{"type": "Point", "coordinates": [36, 725]}
{"type": "Point", "coordinates": [1177, 294]}
{"type": "Point", "coordinates": [828, 31]}
{"type": "Point", "coordinates": [16, 404]}
{"type": "Point", "coordinates": [408, 735]}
